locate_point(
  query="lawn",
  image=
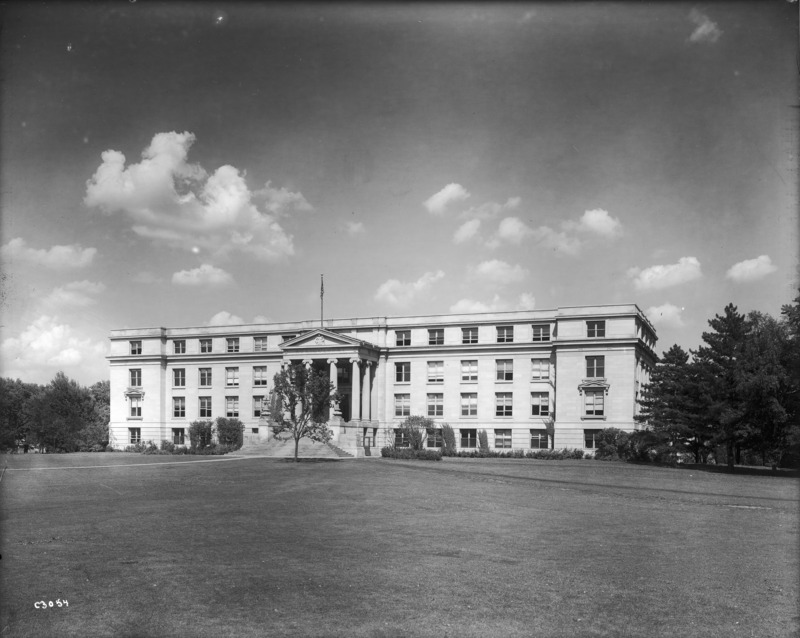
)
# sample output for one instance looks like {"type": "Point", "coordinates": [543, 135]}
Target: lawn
{"type": "Point", "coordinates": [168, 546]}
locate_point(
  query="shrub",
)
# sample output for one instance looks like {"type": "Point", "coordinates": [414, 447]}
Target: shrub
{"type": "Point", "coordinates": [449, 440]}
{"type": "Point", "coordinates": [230, 432]}
{"type": "Point", "coordinates": [410, 454]}
{"type": "Point", "coordinates": [483, 441]}
{"type": "Point", "coordinates": [200, 433]}
{"type": "Point", "coordinates": [555, 455]}
{"type": "Point", "coordinates": [167, 446]}
{"type": "Point", "coordinates": [612, 445]}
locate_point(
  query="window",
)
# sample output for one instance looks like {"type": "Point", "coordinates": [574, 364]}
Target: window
{"type": "Point", "coordinates": [436, 337]}
{"type": "Point", "coordinates": [591, 439]}
{"type": "Point", "coordinates": [502, 438]}
{"type": "Point", "coordinates": [136, 347]}
{"type": "Point", "coordinates": [178, 407]}
{"type": "Point", "coordinates": [505, 370]}
{"type": "Point", "coordinates": [595, 366]}
{"type": "Point", "coordinates": [136, 377]}
{"type": "Point", "coordinates": [469, 335]}
{"type": "Point", "coordinates": [231, 377]}
{"type": "Point", "coordinates": [400, 438]}
{"type": "Point", "coordinates": [233, 344]}
{"type": "Point", "coordinates": [469, 370]}
{"type": "Point", "coordinates": [469, 404]}
{"type": "Point", "coordinates": [179, 346]}
{"type": "Point", "coordinates": [136, 407]}
{"type": "Point", "coordinates": [205, 346]}
{"type": "Point", "coordinates": [205, 407]}
{"type": "Point", "coordinates": [205, 377]}
{"type": "Point", "coordinates": [402, 372]}
{"type": "Point", "coordinates": [258, 406]}
{"type": "Point", "coordinates": [435, 371]}
{"type": "Point", "coordinates": [178, 436]}
{"type": "Point", "coordinates": [135, 435]}
{"type": "Point", "coordinates": [402, 337]}
{"type": "Point", "coordinates": [179, 377]}
{"type": "Point", "coordinates": [505, 334]}
{"type": "Point", "coordinates": [259, 344]}
{"type": "Point", "coordinates": [594, 403]}
{"type": "Point", "coordinates": [539, 440]}
{"type": "Point", "coordinates": [502, 403]}
{"type": "Point", "coordinates": [540, 369]}
{"type": "Point", "coordinates": [435, 405]}
{"type": "Point", "coordinates": [254, 430]}
{"type": "Point", "coordinates": [231, 406]}
{"type": "Point", "coordinates": [541, 332]}
{"type": "Point", "coordinates": [540, 404]}
{"type": "Point", "coordinates": [434, 438]}
{"type": "Point", "coordinates": [260, 375]}
{"type": "Point", "coordinates": [369, 437]}
{"type": "Point", "coordinates": [595, 328]}
{"type": "Point", "coordinates": [402, 405]}
{"type": "Point", "coordinates": [469, 438]}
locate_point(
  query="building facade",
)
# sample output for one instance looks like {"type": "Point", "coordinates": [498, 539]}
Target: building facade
{"type": "Point", "coordinates": [530, 379]}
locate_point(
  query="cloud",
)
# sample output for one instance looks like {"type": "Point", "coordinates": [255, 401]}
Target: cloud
{"type": "Point", "coordinates": [596, 221]}
{"type": "Point", "coordinates": [751, 269]}
{"type": "Point", "coordinates": [205, 275]}
{"type": "Point", "coordinates": [354, 228]}
{"type": "Point", "coordinates": [490, 210]}
{"type": "Point", "coordinates": [526, 301]}
{"type": "Point", "coordinates": [511, 230]}
{"type": "Point", "coordinates": [705, 30]}
{"type": "Point", "coordinates": [76, 294]}
{"type": "Point", "coordinates": [437, 203]}
{"type": "Point", "coordinates": [557, 241]}
{"type": "Point", "coordinates": [56, 257]}
{"type": "Point", "coordinates": [665, 315]}
{"type": "Point", "coordinates": [664, 276]}
{"type": "Point", "coordinates": [398, 293]}
{"type": "Point", "coordinates": [224, 318]}
{"type": "Point", "coordinates": [47, 346]}
{"type": "Point", "coordinates": [466, 231]}
{"type": "Point", "coordinates": [179, 204]}
{"type": "Point", "coordinates": [500, 273]}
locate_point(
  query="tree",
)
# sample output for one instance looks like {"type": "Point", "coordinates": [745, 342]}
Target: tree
{"type": "Point", "coordinates": [301, 403]}
{"type": "Point", "coordinates": [414, 430]}
{"type": "Point", "coordinates": [14, 394]}
{"type": "Point", "coordinates": [94, 435]}
{"type": "Point", "coordinates": [57, 413]}
{"type": "Point", "coordinates": [230, 432]}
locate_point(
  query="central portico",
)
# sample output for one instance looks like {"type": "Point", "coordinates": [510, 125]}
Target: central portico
{"type": "Point", "coordinates": [350, 363]}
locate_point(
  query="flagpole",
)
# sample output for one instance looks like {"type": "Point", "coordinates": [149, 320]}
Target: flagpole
{"type": "Point", "coordinates": [321, 296]}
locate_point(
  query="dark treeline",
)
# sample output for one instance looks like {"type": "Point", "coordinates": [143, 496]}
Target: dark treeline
{"type": "Point", "coordinates": [734, 400]}
{"type": "Point", "coordinates": [62, 416]}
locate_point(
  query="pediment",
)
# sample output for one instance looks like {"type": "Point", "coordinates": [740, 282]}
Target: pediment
{"type": "Point", "coordinates": [320, 338]}
{"type": "Point", "coordinates": [598, 383]}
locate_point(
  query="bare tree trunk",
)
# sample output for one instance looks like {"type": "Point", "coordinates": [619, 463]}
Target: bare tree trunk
{"type": "Point", "coordinates": [296, 446]}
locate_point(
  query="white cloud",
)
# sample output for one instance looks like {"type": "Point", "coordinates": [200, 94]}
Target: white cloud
{"type": "Point", "coordinates": [499, 272]}
{"type": "Point", "coordinates": [665, 315]}
{"type": "Point", "coordinates": [56, 257]}
{"type": "Point", "coordinates": [751, 269]}
{"type": "Point", "coordinates": [705, 30]}
{"type": "Point", "coordinates": [355, 228]}
{"type": "Point", "coordinates": [466, 231]}
{"type": "Point", "coordinates": [596, 221]}
{"type": "Point", "coordinates": [179, 204]}
{"type": "Point", "coordinates": [205, 275]}
{"type": "Point", "coordinates": [558, 241]}
{"type": "Point", "coordinates": [76, 294]}
{"type": "Point", "coordinates": [512, 230]}
{"type": "Point", "coordinates": [526, 301]}
{"type": "Point", "coordinates": [490, 210]}
{"type": "Point", "coordinates": [437, 203]}
{"type": "Point", "coordinates": [47, 346]}
{"type": "Point", "coordinates": [398, 293]}
{"type": "Point", "coordinates": [224, 318]}
{"type": "Point", "coordinates": [664, 276]}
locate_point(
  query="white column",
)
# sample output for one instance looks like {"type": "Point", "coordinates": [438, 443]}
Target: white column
{"type": "Point", "coordinates": [334, 379]}
{"type": "Point", "coordinates": [307, 363]}
{"type": "Point", "coordinates": [355, 397]}
{"type": "Point", "coordinates": [365, 402]}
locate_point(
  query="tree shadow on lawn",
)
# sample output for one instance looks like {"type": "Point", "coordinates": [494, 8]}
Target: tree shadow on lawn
{"type": "Point", "coordinates": [739, 470]}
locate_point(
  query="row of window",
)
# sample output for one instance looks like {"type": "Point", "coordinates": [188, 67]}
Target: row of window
{"type": "Point", "coordinates": [505, 334]}
{"type": "Point", "coordinates": [204, 377]}
{"type": "Point", "coordinates": [504, 370]}
{"type": "Point", "coordinates": [204, 407]}
{"type": "Point", "coordinates": [540, 404]}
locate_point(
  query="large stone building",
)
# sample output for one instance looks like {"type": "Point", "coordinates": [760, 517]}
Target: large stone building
{"type": "Point", "coordinates": [508, 373]}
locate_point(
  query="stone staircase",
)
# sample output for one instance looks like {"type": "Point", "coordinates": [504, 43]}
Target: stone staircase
{"type": "Point", "coordinates": [282, 447]}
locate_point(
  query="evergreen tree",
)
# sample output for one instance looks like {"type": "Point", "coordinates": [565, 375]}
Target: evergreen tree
{"type": "Point", "coordinates": [14, 394]}
{"type": "Point", "coordinates": [57, 413]}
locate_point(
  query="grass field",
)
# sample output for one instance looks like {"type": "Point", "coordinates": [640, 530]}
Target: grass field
{"type": "Point", "coordinates": [168, 546]}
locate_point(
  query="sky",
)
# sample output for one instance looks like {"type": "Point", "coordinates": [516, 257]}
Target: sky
{"type": "Point", "coordinates": [190, 164]}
